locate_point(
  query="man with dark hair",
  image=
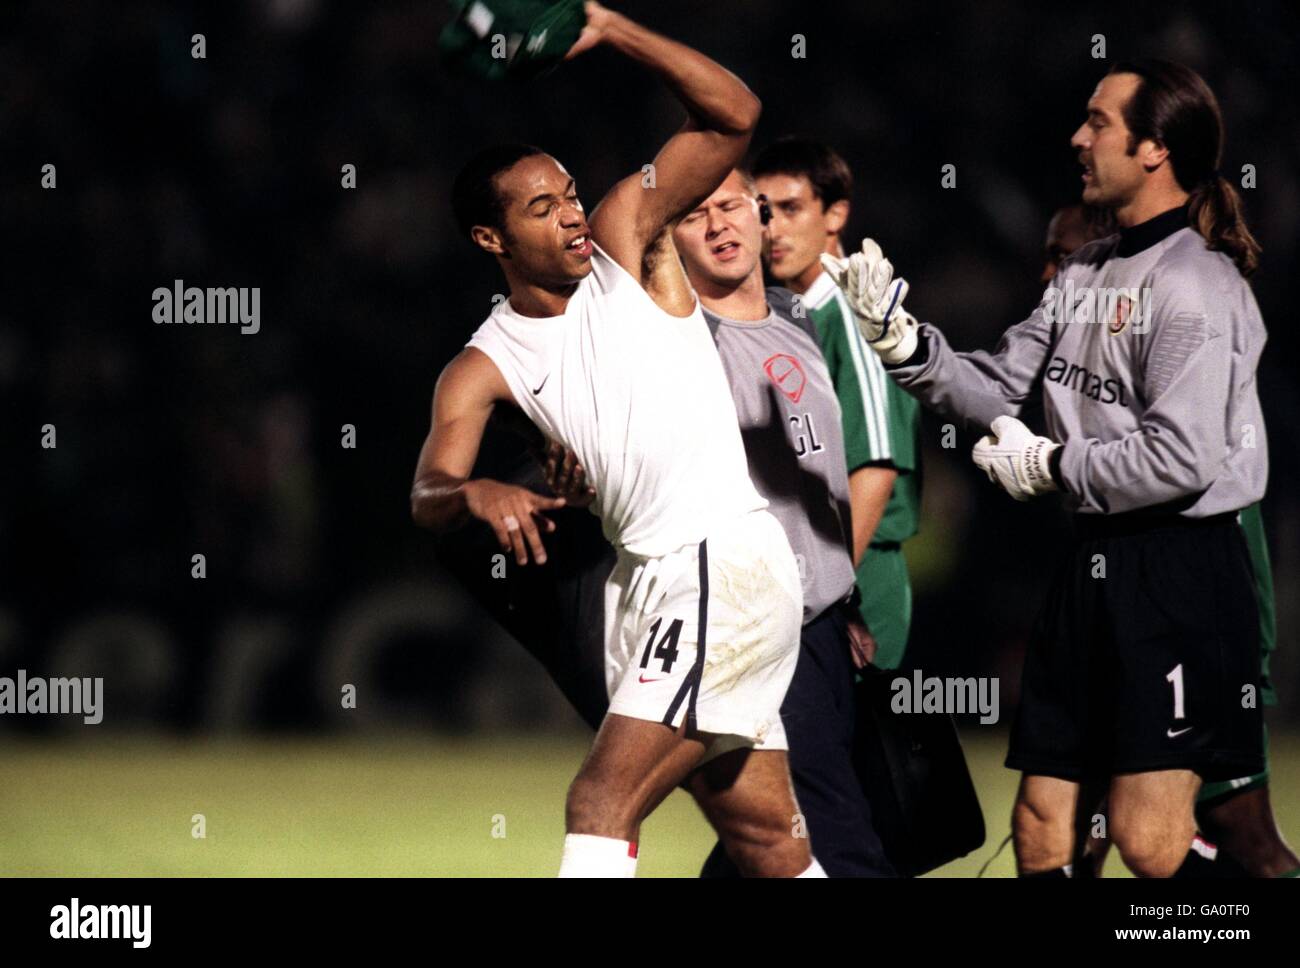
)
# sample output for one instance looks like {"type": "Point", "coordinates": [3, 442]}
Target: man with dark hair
{"type": "Point", "coordinates": [1172, 106]}
{"type": "Point", "coordinates": [475, 198]}
{"type": "Point", "coordinates": [704, 602]}
{"type": "Point", "coordinates": [1144, 664]}
{"type": "Point", "coordinates": [1236, 814]}
{"type": "Point", "coordinates": [808, 186]}
{"type": "Point", "coordinates": [789, 421]}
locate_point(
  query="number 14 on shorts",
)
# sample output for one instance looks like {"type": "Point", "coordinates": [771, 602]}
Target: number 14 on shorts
{"type": "Point", "coordinates": [666, 649]}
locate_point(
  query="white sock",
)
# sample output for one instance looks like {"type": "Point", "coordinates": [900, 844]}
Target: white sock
{"type": "Point", "coordinates": [586, 855]}
{"type": "Point", "coordinates": [814, 870]}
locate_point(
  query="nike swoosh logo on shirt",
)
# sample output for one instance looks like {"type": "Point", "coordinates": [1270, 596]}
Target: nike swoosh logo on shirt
{"type": "Point", "coordinates": [542, 384]}
{"type": "Point", "coordinates": [1173, 735]}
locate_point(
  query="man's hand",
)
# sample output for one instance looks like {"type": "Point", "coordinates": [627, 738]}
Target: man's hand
{"type": "Point", "coordinates": [1016, 458]}
{"type": "Point", "coordinates": [876, 297]}
{"type": "Point", "coordinates": [862, 644]}
{"type": "Point", "coordinates": [539, 35]}
{"type": "Point", "coordinates": [566, 477]}
{"type": "Point", "coordinates": [509, 511]}
{"type": "Point", "coordinates": [592, 34]}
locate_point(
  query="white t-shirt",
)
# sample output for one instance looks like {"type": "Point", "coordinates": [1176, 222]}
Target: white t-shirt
{"type": "Point", "coordinates": [640, 396]}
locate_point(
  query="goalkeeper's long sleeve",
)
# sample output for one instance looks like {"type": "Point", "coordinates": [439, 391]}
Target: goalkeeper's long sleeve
{"type": "Point", "coordinates": [1144, 351]}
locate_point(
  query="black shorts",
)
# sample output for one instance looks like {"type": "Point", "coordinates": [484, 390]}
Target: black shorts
{"type": "Point", "coordinates": [1154, 666]}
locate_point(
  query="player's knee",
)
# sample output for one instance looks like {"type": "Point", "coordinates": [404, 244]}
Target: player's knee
{"type": "Point", "coordinates": [1150, 848]}
{"type": "Point", "coordinates": [591, 809]}
{"type": "Point", "coordinates": [761, 845]}
{"type": "Point", "coordinates": [761, 851]}
{"type": "Point", "coordinates": [1151, 860]}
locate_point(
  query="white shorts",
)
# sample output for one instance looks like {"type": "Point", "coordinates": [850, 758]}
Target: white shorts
{"type": "Point", "coordinates": [741, 586]}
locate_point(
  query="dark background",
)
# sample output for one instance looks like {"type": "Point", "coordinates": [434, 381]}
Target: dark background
{"type": "Point", "coordinates": [176, 440]}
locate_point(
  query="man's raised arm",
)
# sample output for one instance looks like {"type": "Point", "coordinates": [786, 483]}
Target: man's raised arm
{"type": "Point", "coordinates": [722, 113]}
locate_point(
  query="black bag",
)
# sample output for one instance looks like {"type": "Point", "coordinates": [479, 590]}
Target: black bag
{"type": "Point", "coordinates": [914, 774]}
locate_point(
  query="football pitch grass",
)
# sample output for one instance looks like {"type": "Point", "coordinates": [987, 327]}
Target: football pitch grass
{"type": "Point", "coordinates": [402, 807]}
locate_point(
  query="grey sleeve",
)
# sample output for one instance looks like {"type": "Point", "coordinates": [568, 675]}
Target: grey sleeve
{"type": "Point", "coordinates": [1181, 442]}
{"type": "Point", "coordinates": [980, 386]}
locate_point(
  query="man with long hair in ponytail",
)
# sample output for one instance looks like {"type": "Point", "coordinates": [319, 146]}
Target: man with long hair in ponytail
{"type": "Point", "coordinates": [1236, 814]}
{"type": "Point", "coordinates": [1144, 664]}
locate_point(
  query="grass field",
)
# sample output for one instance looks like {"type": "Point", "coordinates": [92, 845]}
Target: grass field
{"type": "Point", "coordinates": [405, 807]}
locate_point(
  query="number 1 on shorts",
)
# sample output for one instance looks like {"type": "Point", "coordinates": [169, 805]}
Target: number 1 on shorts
{"type": "Point", "coordinates": [1176, 678]}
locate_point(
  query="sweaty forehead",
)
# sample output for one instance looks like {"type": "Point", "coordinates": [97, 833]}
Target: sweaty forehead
{"type": "Point", "coordinates": [532, 176]}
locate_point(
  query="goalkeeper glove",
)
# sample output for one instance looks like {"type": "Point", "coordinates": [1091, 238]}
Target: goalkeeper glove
{"type": "Point", "coordinates": [876, 298]}
{"type": "Point", "coordinates": [1016, 458]}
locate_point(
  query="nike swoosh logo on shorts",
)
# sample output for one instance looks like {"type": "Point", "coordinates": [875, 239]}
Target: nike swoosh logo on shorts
{"type": "Point", "coordinates": [542, 384]}
{"type": "Point", "coordinates": [1174, 735]}
{"type": "Point", "coordinates": [656, 679]}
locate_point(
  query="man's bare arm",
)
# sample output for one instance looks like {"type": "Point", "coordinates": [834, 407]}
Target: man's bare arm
{"type": "Point", "coordinates": [722, 113]}
{"type": "Point", "coordinates": [869, 490]}
{"type": "Point", "coordinates": [463, 399]}
{"type": "Point", "coordinates": [443, 496]}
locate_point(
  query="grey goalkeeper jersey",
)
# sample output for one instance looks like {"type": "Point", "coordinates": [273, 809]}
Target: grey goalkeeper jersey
{"type": "Point", "coordinates": [1144, 350]}
{"type": "Point", "coordinates": [790, 423]}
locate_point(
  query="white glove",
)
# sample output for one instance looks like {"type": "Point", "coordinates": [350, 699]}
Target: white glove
{"type": "Point", "coordinates": [1016, 458]}
{"type": "Point", "coordinates": [876, 298]}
